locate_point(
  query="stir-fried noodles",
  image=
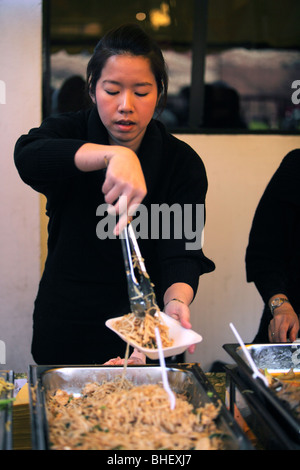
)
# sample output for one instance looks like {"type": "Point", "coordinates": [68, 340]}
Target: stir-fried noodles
{"type": "Point", "coordinates": [119, 415]}
{"type": "Point", "coordinates": [142, 330]}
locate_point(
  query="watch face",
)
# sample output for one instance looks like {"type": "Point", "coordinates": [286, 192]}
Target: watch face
{"type": "Point", "coordinates": [277, 302]}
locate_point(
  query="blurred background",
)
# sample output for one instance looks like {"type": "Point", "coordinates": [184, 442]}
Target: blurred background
{"type": "Point", "coordinates": [231, 62]}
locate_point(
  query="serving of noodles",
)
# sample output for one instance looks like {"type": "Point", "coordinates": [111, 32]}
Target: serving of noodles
{"type": "Point", "coordinates": [142, 330]}
{"type": "Point", "coordinates": [120, 415]}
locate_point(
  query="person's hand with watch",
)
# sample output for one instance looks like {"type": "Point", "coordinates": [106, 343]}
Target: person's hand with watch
{"type": "Point", "coordinates": [284, 325]}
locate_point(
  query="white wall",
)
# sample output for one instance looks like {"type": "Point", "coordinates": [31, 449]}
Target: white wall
{"type": "Point", "coordinates": [20, 72]}
{"type": "Point", "coordinates": [238, 169]}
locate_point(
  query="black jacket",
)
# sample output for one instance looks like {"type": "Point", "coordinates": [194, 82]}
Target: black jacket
{"type": "Point", "coordinates": [84, 283]}
{"type": "Point", "coordinates": [273, 252]}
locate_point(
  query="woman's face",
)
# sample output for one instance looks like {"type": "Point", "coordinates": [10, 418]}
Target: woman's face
{"type": "Point", "coordinates": [126, 96]}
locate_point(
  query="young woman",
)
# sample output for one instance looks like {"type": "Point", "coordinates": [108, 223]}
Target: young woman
{"type": "Point", "coordinates": [81, 161]}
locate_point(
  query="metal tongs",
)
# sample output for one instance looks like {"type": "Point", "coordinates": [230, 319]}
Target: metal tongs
{"type": "Point", "coordinates": [141, 294]}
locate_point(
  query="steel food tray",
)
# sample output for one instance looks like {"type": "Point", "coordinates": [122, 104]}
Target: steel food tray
{"type": "Point", "coordinates": [6, 413]}
{"type": "Point", "coordinates": [268, 434]}
{"type": "Point", "coordinates": [188, 378]}
{"type": "Point", "coordinates": [276, 358]}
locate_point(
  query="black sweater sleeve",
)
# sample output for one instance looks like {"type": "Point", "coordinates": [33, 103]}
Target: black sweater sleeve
{"type": "Point", "coordinates": [46, 154]}
{"type": "Point", "coordinates": [183, 260]}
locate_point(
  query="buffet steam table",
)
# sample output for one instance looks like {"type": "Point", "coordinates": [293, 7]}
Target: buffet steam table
{"type": "Point", "coordinates": [21, 412]}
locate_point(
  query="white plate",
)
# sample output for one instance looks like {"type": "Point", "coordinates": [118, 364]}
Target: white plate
{"type": "Point", "coordinates": [182, 337]}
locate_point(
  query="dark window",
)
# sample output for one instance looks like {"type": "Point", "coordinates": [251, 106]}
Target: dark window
{"type": "Point", "coordinates": [234, 65]}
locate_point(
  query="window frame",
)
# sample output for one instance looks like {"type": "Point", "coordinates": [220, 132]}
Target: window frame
{"type": "Point", "coordinates": [196, 104]}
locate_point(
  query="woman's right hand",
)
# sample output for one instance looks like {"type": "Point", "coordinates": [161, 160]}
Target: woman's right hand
{"type": "Point", "coordinates": [124, 187]}
{"type": "Point", "coordinates": [136, 358]}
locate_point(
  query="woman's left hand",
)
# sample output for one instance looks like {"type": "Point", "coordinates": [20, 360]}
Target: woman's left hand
{"type": "Point", "coordinates": [284, 326]}
{"type": "Point", "coordinates": [136, 358]}
{"type": "Point", "coordinates": [181, 312]}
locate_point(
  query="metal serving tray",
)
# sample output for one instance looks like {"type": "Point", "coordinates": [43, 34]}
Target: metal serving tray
{"type": "Point", "coordinates": [276, 358]}
{"type": "Point", "coordinates": [6, 413]}
{"type": "Point", "coordinates": [188, 378]}
{"type": "Point", "coordinates": [268, 433]}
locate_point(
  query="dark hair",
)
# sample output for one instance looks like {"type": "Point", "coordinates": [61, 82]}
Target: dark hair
{"type": "Point", "coordinates": [128, 39]}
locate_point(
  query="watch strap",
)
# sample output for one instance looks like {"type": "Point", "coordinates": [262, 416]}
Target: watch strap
{"type": "Point", "coordinates": [277, 302]}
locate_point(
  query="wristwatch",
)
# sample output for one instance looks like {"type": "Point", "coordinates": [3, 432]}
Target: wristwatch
{"type": "Point", "coordinates": [277, 302]}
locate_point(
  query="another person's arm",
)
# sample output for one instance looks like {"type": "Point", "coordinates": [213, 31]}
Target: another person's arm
{"type": "Point", "coordinates": [273, 244]}
{"type": "Point", "coordinates": [284, 325]}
